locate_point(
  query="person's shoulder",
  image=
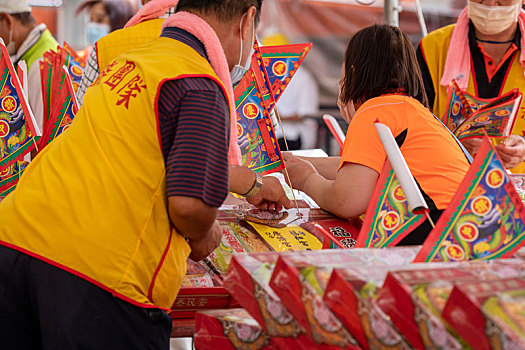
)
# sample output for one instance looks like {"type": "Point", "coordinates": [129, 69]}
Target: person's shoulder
{"type": "Point", "coordinates": [383, 102]}
{"type": "Point", "coordinates": [439, 35]}
{"type": "Point", "coordinates": [384, 107]}
{"type": "Point", "coordinates": [197, 84]}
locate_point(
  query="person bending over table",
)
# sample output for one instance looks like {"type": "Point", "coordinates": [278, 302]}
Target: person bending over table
{"type": "Point", "coordinates": [381, 81]}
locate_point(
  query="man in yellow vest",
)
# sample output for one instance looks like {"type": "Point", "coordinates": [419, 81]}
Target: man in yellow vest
{"type": "Point", "coordinates": [26, 41]}
{"type": "Point", "coordinates": [94, 240]}
{"type": "Point", "coordinates": [483, 52]}
{"type": "Point", "coordinates": [138, 31]}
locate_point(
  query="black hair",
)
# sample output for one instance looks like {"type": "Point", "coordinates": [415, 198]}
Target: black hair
{"type": "Point", "coordinates": [380, 59]}
{"type": "Point", "coordinates": [227, 9]}
{"type": "Point", "coordinates": [119, 11]}
{"type": "Point", "coordinates": [26, 18]}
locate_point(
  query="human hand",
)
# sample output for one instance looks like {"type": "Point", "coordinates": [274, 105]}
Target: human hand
{"type": "Point", "coordinates": [298, 169]}
{"type": "Point", "coordinates": [203, 247]}
{"type": "Point", "coordinates": [472, 145]}
{"type": "Point", "coordinates": [271, 196]}
{"type": "Point", "coordinates": [511, 151]}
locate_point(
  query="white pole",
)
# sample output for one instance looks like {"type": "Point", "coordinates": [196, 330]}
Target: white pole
{"type": "Point", "coordinates": [391, 12]}
{"type": "Point", "coordinates": [421, 18]}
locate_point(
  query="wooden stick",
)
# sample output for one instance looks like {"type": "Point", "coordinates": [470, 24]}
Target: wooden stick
{"type": "Point", "coordinates": [286, 170]}
{"type": "Point", "coordinates": [36, 146]}
{"type": "Point", "coordinates": [430, 219]}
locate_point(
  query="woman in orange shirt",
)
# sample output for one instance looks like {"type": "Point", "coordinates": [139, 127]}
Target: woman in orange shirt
{"type": "Point", "coordinates": [382, 81]}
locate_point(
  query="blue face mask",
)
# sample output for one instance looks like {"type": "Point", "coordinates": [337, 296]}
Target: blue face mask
{"type": "Point", "coordinates": [238, 71]}
{"type": "Point", "coordinates": [95, 31]}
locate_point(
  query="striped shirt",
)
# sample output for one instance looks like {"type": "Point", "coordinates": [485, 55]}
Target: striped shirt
{"type": "Point", "coordinates": [194, 125]}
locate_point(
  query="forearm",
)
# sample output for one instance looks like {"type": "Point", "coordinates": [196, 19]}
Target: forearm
{"type": "Point", "coordinates": [191, 216]}
{"type": "Point", "coordinates": [241, 179]}
{"type": "Point", "coordinates": [347, 196]}
{"type": "Point", "coordinates": [325, 194]}
{"type": "Point", "coordinates": [325, 166]}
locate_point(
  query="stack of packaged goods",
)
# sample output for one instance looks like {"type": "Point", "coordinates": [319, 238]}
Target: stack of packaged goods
{"type": "Point", "coordinates": [249, 230]}
{"type": "Point", "coordinates": [369, 299]}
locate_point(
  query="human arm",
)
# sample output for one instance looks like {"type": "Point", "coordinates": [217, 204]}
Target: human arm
{"type": "Point", "coordinates": [512, 151]}
{"type": "Point", "coordinates": [325, 166]}
{"type": "Point", "coordinates": [472, 145]}
{"type": "Point", "coordinates": [347, 196]}
{"type": "Point", "coordinates": [196, 220]}
{"type": "Point", "coordinates": [196, 171]}
{"type": "Point", "coordinates": [271, 196]}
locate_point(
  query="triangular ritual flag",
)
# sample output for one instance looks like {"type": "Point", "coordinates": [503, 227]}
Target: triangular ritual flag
{"type": "Point", "coordinates": [388, 219]}
{"type": "Point", "coordinates": [471, 117]}
{"type": "Point", "coordinates": [74, 64]}
{"type": "Point", "coordinates": [484, 220]}
{"type": "Point", "coordinates": [277, 65]}
{"type": "Point", "coordinates": [259, 147]}
{"type": "Point", "coordinates": [63, 109]}
{"type": "Point", "coordinates": [262, 79]}
{"type": "Point", "coordinates": [9, 177]}
{"type": "Point", "coordinates": [46, 78]}
{"type": "Point", "coordinates": [18, 129]}
{"type": "Point", "coordinates": [397, 206]}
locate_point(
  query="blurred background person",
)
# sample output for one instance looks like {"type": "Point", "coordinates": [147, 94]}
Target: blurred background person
{"type": "Point", "coordinates": [105, 16]}
{"type": "Point", "coordinates": [483, 52]}
{"type": "Point", "coordinates": [26, 41]}
{"type": "Point", "coordinates": [299, 99]}
{"type": "Point", "coordinates": [144, 26]}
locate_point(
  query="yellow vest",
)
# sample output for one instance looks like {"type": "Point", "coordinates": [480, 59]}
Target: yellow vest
{"type": "Point", "coordinates": [122, 40]}
{"type": "Point", "coordinates": [435, 48]}
{"type": "Point", "coordinates": [44, 43]}
{"type": "Point", "coordinates": [94, 201]}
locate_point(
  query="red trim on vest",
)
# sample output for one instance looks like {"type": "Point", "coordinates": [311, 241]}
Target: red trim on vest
{"type": "Point", "coordinates": [423, 51]}
{"type": "Point", "coordinates": [507, 73]}
{"type": "Point", "coordinates": [161, 262]}
{"type": "Point", "coordinates": [473, 74]}
{"type": "Point", "coordinates": [98, 59]}
{"type": "Point", "coordinates": [182, 76]}
{"type": "Point", "coordinates": [78, 274]}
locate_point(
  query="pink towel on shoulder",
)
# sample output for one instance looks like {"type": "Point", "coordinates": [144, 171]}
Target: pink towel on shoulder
{"type": "Point", "coordinates": [195, 25]}
{"type": "Point", "coordinates": [151, 10]}
{"type": "Point", "coordinates": [457, 65]}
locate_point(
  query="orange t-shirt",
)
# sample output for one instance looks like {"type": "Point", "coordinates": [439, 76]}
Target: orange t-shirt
{"type": "Point", "coordinates": [433, 156]}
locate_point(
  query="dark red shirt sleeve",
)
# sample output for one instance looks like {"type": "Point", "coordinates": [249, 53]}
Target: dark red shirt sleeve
{"type": "Point", "coordinates": [194, 127]}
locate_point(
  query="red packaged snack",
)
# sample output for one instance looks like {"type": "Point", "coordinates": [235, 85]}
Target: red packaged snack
{"type": "Point", "coordinates": [421, 294]}
{"type": "Point", "coordinates": [338, 233]}
{"type": "Point", "coordinates": [300, 279]}
{"type": "Point", "coordinates": [350, 294]}
{"type": "Point", "coordinates": [229, 329]}
{"type": "Point", "coordinates": [490, 314]}
{"type": "Point", "coordinates": [300, 287]}
{"type": "Point", "coordinates": [248, 281]}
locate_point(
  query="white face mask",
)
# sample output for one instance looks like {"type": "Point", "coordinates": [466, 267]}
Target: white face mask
{"type": "Point", "coordinates": [492, 20]}
{"type": "Point", "coordinates": [95, 31]}
{"type": "Point", "coordinates": [11, 49]}
{"type": "Point", "coordinates": [239, 70]}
